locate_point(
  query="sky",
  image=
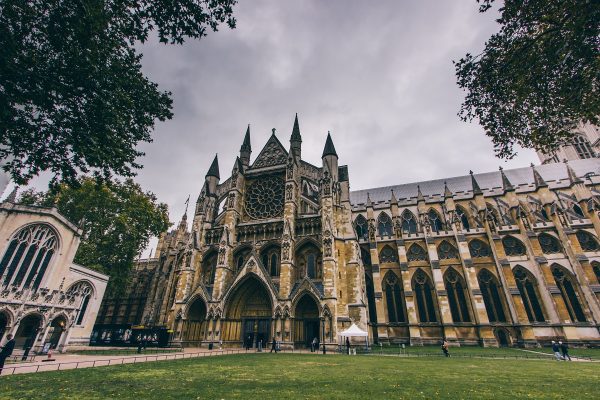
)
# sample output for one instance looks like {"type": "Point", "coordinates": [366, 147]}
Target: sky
{"type": "Point", "coordinates": [377, 75]}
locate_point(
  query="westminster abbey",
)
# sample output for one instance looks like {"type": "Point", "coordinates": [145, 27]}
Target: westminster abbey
{"type": "Point", "coordinates": [282, 250]}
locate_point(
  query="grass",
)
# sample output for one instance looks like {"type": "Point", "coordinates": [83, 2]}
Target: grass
{"type": "Point", "coordinates": [310, 376]}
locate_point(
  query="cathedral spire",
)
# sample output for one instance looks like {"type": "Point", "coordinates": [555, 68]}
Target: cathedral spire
{"type": "Point", "coordinates": [506, 185]}
{"type": "Point", "coordinates": [246, 148]}
{"type": "Point", "coordinates": [537, 179]}
{"type": "Point", "coordinates": [214, 168]}
{"type": "Point", "coordinates": [329, 149]}
{"type": "Point", "coordinates": [475, 185]}
{"type": "Point", "coordinates": [296, 141]}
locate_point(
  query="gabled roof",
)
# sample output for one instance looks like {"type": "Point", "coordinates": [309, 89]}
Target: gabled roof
{"type": "Point", "coordinates": [272, 154]}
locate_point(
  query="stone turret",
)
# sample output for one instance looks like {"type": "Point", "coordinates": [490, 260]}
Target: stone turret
{"type": "Point", "coordinates": [212, 176]}
{"type": "Point", "coordinates": [330, 158]}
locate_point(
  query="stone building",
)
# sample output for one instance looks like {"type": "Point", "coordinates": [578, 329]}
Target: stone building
{"type": "Point", "coordinates": [282, 249]}
{"type": "Point", "coordinates": [46, 300]}
{"type": "Point", "coordinates": [585, 144]}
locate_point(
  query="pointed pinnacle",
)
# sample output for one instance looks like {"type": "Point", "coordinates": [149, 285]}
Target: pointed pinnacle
{"type": "Point", "coordinates": [369, 202]}
{"type": "Point", "coordinates": [246, 145]}
{"type": "Point", "coordinates": [12, 197]}
{"type": "Point", "coordinates": [447, 192]}
{"type": "Point", "coordinates": [214, 168]}
{"type": "Point", "coordinates": [296, 137]}
{"type": "Point", "coordinates": [329, 149]}
{"type": "Point", "coordinates": [393, 200]}
{"type": "Point", "coordinates": [420, 196]}
{"type": "Point", "coordinates": [475, 185]}
{"type": "Point", "coordinates": [506, 185]}
{"type": "Point", "coordinates": [572, 175]}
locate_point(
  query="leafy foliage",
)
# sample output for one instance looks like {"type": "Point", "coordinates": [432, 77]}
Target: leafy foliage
{"type": "Point", "coordinates": [73, 98]}
{"type": "Point", "coordinates": [538, 77]}
{"type": "Point", "coordinates": [118, 219]}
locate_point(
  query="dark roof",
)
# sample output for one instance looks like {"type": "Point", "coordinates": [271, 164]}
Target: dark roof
{"type": "Point", "coordinates": [214, 168]}
{"type": "Point", "coordinates": [246, 144]}
{"type": "Point", "coordinates": [296, 131]}
{"type": "Point", "coordinates": [329, 147]}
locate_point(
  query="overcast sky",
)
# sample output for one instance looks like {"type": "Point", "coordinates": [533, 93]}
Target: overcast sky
{"type": "Point", "coordinates": [378, 75]}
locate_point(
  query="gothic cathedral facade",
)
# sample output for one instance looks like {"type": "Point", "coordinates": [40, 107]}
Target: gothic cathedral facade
{"type": "Point", "coordinates": [283, 250]}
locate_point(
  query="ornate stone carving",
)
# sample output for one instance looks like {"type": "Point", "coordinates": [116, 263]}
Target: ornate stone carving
{"type": "Point", "coordinates": [264, 198]}
{"type": "Point", "coordinates": [289, 191]}
{"type": "Point", "coordinates": [285, 251]}
{"type": "Point", "coordinates": [272, 154]}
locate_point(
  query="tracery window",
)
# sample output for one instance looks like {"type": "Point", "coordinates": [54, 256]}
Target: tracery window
{"type": "Point", "coordinates": [527, 285]}
{"type": "Point", "coordinates": [479, 249]}
{"type": "Point", "coordinates": [384, 225]}
{"type": "Point", "coordinates": [455, 288]}
{"type": "Point", "coordinates": [409, 222]}
{"type": "Point", "coordinates": [582, 147]}
{"type": "Point", "coordinates": [416, 253]}
{"type": "Point", "coordinates": [209, 269]}
{"type": "Point", "coordinates": [240, 257]}
{"type": "Point", "coordinates": [464, 219]}
{"type": "Point", "coordinates": [577, 210]}
{"type": "Point", "coordinates": [447, 251]}
{"type": "Point", "coordinates": [513, 246]}
{"type": "Point", "coordinates": [596, 269]}
{"type": "Point", "coordinates": [423, 290]}
{"type": "Point", "coordinates": [568, 292]}
{"type": "Point", "coordinates": [549, 244]}
{"type": "Point", "coordinates": [490, 290]}
{"type": "Point", "coordinates": [362, 228]}
{"type": "Point", "coordinates": [309, 261]}
{"type": "Point", "coordinates": [587, 241]}
{"type": "Point", "coordinates": [28, 255]}
{"type": "Point", "coordinates": [394, 298]}
{"type": "Point", "coordinates": [265, 198]}
{"type": "Point", "coordinates": [435, 221]}
{"type": "Point", "coordinates": [85, 291]}
{"type": "Point", "coordinates": [388, 255]}
{"type": "Point", "coordinates": [270, 260]}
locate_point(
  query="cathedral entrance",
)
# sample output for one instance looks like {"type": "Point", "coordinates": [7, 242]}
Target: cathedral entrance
{"type": "Point", "coordinates": [27, 331]}
{"type": "Point", "coordinates": [3, 324]}
{"type": "Point", "coordinates": [306, 322]}
{"type": "Point", "coordinates": [57, 327]}
{"type": "Point", "coordinates": [195, 324]}
{"type": "Point", "coordinates": [249, 314]}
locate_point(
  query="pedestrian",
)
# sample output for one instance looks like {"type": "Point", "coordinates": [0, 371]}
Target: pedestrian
{"type": "Point", "coordinates": [220, 344]}
{"type": "Point", "coordinates": [445, 348]}
{"type": "Point", "coordinates": [313, 345]}
{"type": "Point", "coordinates": [347, 346]}
{"type": "Point", "coordinates": [248, 342]}
{"type": "Point", "coordinates": [564, 349]}
{"type": "Point", "coordinates": [556, 351]}
{"type": "Point", "coordinates": [273, 346]}
{"type": "Point", "coordinates": [7, 350]}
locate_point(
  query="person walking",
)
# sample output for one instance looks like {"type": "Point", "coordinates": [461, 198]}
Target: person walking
{"type": "Point", "coordinates": [273, 346]}
{"type": "Point", "coordinates": [564, 349]}
{"type": "Point", "coordinates": [313, 345]}
{"type": "Point", "coordinates": [348, 346]}
{"type": "Point", "coordinates": [7, 350]}
{"type": "Point", "coordinates": [248, 342]}
{"type": "Point", "coordinates": [445, 348]}
{"type": "Point", "coordinates": [556, 351]}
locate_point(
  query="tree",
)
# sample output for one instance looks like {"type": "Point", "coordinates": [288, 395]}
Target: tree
{"type": "Point", "coordinates": [73, 98]}
{"type": "Point", "coordinates": [117, 218]}
{"type": "Point", "coordinates": [538, 77]}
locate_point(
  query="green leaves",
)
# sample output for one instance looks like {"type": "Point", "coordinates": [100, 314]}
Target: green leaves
{"type": "Point", "coordinates": [538, 78]}
{"type": "Point", "coordinates": [73, 98]}
{"type": "Point", "coordinates": [118, 219]}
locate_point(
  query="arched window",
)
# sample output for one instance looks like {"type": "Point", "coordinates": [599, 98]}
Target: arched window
{"type": "Point", "coordinates": [270, 259]}
{"type": "Point", "coordinates": [596, 268]}
{"type": "Point", "coordinates": [84, 290]}
{"type": "Point", "coordinates": [240, 257]}
{"type": "Point", "coordinates": [394, 298]}
{"type": "Point", "coordinates": [513, 246]}
{"type": "Point", "coordinates": [28, 255]}
{"type": "Point", "coordinates": [527, 285]}
{"type": "Point", "coordinates": [479, 248]}
{"type": "Point", "coordinates": [409, 222]}
{"type": "Point", "coordinates": [544, 214]}
{"type": "Point", "coordinates": [435, 221]}
{"type": "Point", "coordinates": [587, 241]}
{"type": "Point", "coordinates": [309, 261]}
{"type": "Point", "coordinates": [384, 225]}
{"type": "Point", "coordinates": [549, 244]}
{"type": "Point", "coordinates": [388, 255]}
{"type": "Point", "coordinates": [583, 147]}
{"type": "Point", "coordinates": [564, 281]}
{"type": "Point", "coordinates": [447, 251]}
{"type": "Point", "coordinates": [490, 290]}
{"type": "Point", "coordinates": [491, 214]}
{"type": "Point", "coordinates": [464, 219]}
{"type": "Point", "coordinates": [209, 269]}
{"type": "Point", "coordinates": [416, 253]}
{"type": "Point", "coordinates": [362, 228]}
{"type": "Point", "coordinates": [455, 287]}
{"type": "Point", "coordinates": [423, 290]}
{"type": "Point", "coordinates": [577, 210]}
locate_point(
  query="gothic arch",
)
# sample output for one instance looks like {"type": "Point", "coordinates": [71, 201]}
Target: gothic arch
{"type": "Point", "coordinates": [529, 291]}
{"type": "Point", "coordinates": [423, 291]}
{"type": "Point", "coordinates": [513, 246]}
{"type": "Point", "coordinates": [85, 289]}
{"type": "Point", "coordinates": [596, 270]}
{"type": "Point", "coordinates": [587, 241]}
{"type": "Point", "coordinates": [234, 289]}
{"type": "Point", "coordinates": [549, 244]}
{"type": "Point", "coordinates": [10, 316]}
{"type": "Point", "coordinates": [309, 260]}
{"type": "Point", "coordinates": [384, 225]}
{"type": "Point", "coordinates": [388, 255]}
{"type": "Point", "coordinates": [409, 222]}
{"type": "Point", "coordinates": [492, 294]}
{"type": "Point", "coordinates": [569, 292]}
{"type": "Point", "coordinates": [416, 252]}
{"type": "Point", "coordinates": [478, 249]}
{"type": "Point", "coordinates": [394, 298]}
{"type": "Point", "coordinates": [270, 257]}
{"type": "Point", "coordinates": [447, 251]}
{"type": "Point", "coordinates": [361, 227]}
{"type": "Point", "coordinates": [209, 266]}
{"type": "Point", "coordinates": [299, 296]}
{"type": "Point", "coordinates": [435, 219]}
{"type": "Point", "coordinates": [457, 291]}
{"type": "Point", "coordinates": [241, 254]}
{"type": "Point", "coordinates": [463, 217]}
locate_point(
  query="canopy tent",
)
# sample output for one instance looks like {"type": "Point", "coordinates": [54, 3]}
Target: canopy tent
{"type": "Point", "coordinates": [355, 331]}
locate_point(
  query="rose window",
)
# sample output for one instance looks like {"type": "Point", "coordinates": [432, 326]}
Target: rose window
{"type": "Point", "coordinates": [264, 198]}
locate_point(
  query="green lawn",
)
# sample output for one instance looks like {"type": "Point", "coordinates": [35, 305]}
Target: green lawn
{"type": "Point", "coordinates": [308, 376]}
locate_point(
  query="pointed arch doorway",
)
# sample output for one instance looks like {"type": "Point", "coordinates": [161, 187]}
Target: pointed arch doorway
{"type": "Point", "coordinates": [306, 322]}
{"type": "Point", "coordinates": [249, 314]}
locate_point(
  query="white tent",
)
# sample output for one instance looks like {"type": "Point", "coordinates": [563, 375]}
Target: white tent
{"type": "Point", "coordinates": [355, 331]}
